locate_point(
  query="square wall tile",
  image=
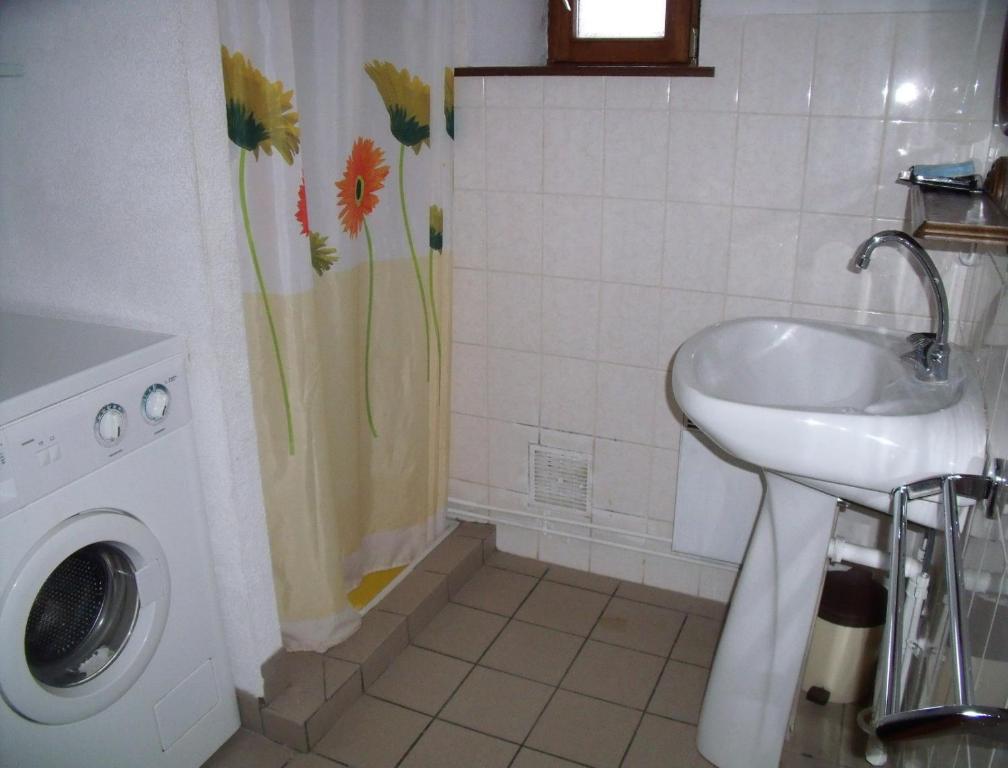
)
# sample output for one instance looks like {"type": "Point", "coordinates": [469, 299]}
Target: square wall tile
{"type": "Point", "coordinates": [748, 306]}
{"type": "Point", "coordinates": [469, 448]}
{"type": "Point", "coordinates": [572, 236]}
{"type": "Point", "coordinates": [716, 583]}
{"type": "Point", "coordinates": [632, 237]}
{"type": "Point", "coordinates": [474, 493]}
{"type": "Point", "coordinates": [575, 92]}
{"type": "Point", "coordinates": [826, 245]}
{"type": "Point", "coordinates": [468, 92]}
{"type": "Point", "coordinates": [683, 313]}
{"type": "Point", "coordinates": [628, 326]}
{"type": "Point", "coordinates": [720, 47]}
{"type": "Point", "coordinates": [617, 562]}
{"type": "Point", "coordinates": [508, 453]}
{"type": "Point", "coordinates": [469, 379]}
{"type": "Point", "coordinates": [770, 161]}
{"type": "Point", "coordinates": [469, 311]}
{"type": "Point", "coordinates": [469, 230]}
{"type": "Point", "coordinates": [521, 538]}
{"type": "Point", "coordinates": [568, 394]}
{"type": "Point", "coordinates": [470, 148]}
{"type": "Point", "coordinates": [513, 311]}
{"type": "Point", "coordinates": [570, 317]}
{"type": "Point", "coordinates": [669, 573]}
{"type": "Point", "coordinates": [572, 140]}
{"type": "Point", "coordinates": [764, 248]}
{"type": "Point", "coordinates": [513, 386]}
{"type": "Point", "coordinates": [636, 146]}
{"type": "Point", "coordinates": [696, 247]}
{"type": "Point", "coordinates": [637, 92]}
{"type": "Point", "coordinates": [622, 477]}
{"type": "Point", "coordinates": [514, 149]}
{"type": "Point", "coordinates": [934, 67]}
{"type": "Point", "coordinates": [514, 91]}
{"type": "Point", "coordinates": [853, 56]}
{"type": "Point", "coordinates": [560, 549]}
{"type": "Point", "coordinates": [842, 181]}
{"type": "Point", "coordinates": [701, 156]}
{"type": "Point", "coordinates": [514, 232]}
{"type": "Point", "coordinates": [777, 63]}
{"type": "Point", "coordinates": [625, 403]}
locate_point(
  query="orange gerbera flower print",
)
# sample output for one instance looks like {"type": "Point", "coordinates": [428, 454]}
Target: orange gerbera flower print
{"type": "Point", "coordinates": [364, 176]}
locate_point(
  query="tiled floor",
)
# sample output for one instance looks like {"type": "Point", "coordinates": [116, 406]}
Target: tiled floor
{"type": "Point", "coordinates": [534, 666]}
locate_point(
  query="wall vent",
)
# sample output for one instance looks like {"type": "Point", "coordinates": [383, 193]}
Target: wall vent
{"type": "Point", "coordinates": [559, 479]}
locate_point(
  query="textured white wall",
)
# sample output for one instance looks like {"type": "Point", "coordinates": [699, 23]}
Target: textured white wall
{"type": "Point", "coordinates": [115, 206]}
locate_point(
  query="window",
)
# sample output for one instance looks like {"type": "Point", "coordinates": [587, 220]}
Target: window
{"type": "Point", "coordinates": [623, 32]}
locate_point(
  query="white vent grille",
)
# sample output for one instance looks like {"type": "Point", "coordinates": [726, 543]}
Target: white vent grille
{"type": "Point", "coordinates": [559, 478]}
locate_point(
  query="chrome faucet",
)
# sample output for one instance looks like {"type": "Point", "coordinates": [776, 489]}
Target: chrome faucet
{"type": "Point", "coordinates": [930, 351]}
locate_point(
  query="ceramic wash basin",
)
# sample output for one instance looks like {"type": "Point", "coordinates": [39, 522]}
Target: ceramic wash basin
{"type": "Point", "coordinates": [836, 406]}
{"type": "Point", "coordinates": [827, 412]}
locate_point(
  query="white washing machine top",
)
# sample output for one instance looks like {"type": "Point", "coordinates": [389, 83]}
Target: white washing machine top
{"type": "Point", "coordinates": [44, 360]}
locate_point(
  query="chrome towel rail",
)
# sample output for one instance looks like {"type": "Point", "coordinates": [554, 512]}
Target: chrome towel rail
{"type": "Point", "coordinates": [892, 721]}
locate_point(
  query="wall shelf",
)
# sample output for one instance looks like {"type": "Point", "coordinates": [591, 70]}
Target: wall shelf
{"type": "Point", "coordinates": [963, 216]}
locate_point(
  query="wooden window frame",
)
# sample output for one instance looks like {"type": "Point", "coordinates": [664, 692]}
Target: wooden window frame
{"type": "Point", "coordinates": [677, 47]}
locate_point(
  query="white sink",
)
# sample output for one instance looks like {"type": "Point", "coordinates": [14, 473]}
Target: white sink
{"type": "Point", "coordinates": [831, 404]}
{"type": "Point", "coordinates": [827, 411]}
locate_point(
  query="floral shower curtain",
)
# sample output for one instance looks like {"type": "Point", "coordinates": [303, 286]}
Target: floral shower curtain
{"type": "Point", "coordinates": [341, 118]}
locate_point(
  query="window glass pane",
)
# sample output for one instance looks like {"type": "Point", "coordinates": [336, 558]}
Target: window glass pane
{"type": "Point", "coordinates": [621, 18]}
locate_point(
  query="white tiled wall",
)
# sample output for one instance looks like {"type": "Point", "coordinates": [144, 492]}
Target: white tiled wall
{"type": "Point", "coordinates": [601, 221]}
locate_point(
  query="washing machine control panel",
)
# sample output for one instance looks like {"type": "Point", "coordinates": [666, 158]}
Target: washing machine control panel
{"type": "Point", "coordinates": [52, 447]}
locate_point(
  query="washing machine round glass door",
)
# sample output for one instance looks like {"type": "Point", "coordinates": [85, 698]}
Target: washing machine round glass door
{"type": "Point", "coordinates": [82, 617]}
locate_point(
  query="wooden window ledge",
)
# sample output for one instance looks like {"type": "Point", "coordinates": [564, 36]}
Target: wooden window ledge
{"type": "Point", "coordinates": [589, 70]}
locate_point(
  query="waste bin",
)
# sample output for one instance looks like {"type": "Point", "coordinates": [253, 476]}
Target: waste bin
{"type": "Point", "coordinates": [846, 636]}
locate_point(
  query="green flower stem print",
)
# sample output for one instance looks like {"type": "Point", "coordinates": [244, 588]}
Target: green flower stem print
{"type": "Point", "coordinates": [436, 228]}
{"type": "Point", "coordinates": [363, 177]}
{"type": "Point", "coordinates": [407, 99]}
{"type": "Point", "coordinates": [260, 117]}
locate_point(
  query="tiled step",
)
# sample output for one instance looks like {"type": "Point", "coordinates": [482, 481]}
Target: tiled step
{"type": "Point", "coordinates": [318, 688]}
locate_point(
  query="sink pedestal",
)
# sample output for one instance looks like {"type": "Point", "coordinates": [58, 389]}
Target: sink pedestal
{"type": "Point", "coordinates": [758, 663]}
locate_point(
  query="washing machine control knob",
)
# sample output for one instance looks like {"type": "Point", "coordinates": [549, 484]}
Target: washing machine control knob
{"type": "Point", "coordinates": [155, 403]}
{"type": "Point", "coordinates": [110, 424]}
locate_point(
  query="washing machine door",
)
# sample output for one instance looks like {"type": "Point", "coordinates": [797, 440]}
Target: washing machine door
{"type": "Point", "coordinates": [82, 617]}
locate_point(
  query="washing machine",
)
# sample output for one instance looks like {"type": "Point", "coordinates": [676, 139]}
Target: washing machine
{"type": "Point", "coordinates": [111, 647]}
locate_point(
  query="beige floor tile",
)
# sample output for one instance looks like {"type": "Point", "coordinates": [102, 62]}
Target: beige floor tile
{"type": "Point", "coordinates": [665, 598]}
{"type": "Point", "coordinates": [562, 607]}
{"type": "Point", "coordinates": [497, 704]}
{"type": "Point", "coordinates": [457, 558]}
{"type": "Point", "coordinates": [418, 597]}
{"type": "Point", "coordinates": [444, 745]}
{"type": "Point", "coordinates": [680, 692]}
{"type": "Point", "coordinates": [615, 674]}
{"type": "Point", "coordinates": [311, 761]}
{"type": "Point", "coordinates": [382, 635]}
{"type": "Point", "coordinates": [817, 731]}
{"type": "Point", "coordinates": [852, 740]}
{"type": "Point", "coordinates": [582, 579]}
{"type": "Point", "coordinates": [585, 730]}
{"type": "Point", "coordinates": [461, 631]}
{"type": "Point", "coordinates": [529, 758]}
{"type": "Point", "coordinates": [539, 653]}
{"type": "Point", "coordinates": [662, 743]}
{"type": "Point", "coordinates": [518, 564]}
{"type": "Point", "coordinates": [495, 590]}
{"type": "Point", "coordinates": [697, 641]}
{"type": "Point", "coordinates": [420, 679]}
{"type": "Point", "coordinates": [249, 750]}
{"type": "Point", "coordinates": [372, 734]}
{"type": "Point", "coordinates": [639, 626]}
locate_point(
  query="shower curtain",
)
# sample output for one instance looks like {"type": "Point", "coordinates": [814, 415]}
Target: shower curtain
{"type": "Point", "coordinates": [340, 116]}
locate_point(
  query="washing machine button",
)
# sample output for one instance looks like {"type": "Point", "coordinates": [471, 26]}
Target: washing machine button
{"type": "Point", "coordinates": [109, 424]}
